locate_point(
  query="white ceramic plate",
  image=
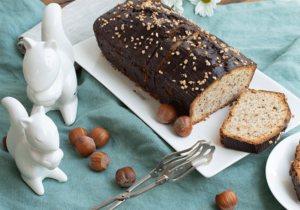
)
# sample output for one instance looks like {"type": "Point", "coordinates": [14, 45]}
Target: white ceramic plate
{"type": "Point", "coordinates": [88, 55]}
{"type": "Point", "coordinates": [277, 172]}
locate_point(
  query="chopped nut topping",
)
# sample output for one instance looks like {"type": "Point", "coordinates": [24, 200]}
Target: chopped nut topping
{"type": "Point", "coordinates": [146, 47]}
{"type": "Point", "coordinates": [143, 52]}
{"type": "Point", "coordinates": [173, 80]}
{"type": "Point", "coordinates": [225, 49]}
{"type": "Point", "coordinates": [156, 54]}
{"type": "Point", "coordinates": [142, 37]}
{"type": "Point", "coordinates": [206, 32]}
{"type": "Point", "coordinates": [214, 77]}
{"type": "Point", "coordinates": [188, 48]}
{"type": "Point", "coordinates": [205, 52]}
{"type": "Point", "coordinates": [160, 72]}
{"type": "Point", "coordinates": [112, 37]}
{"type": "Point", "coordinates": [270, 142]}
{"type": "Point", "coordinates": [194, 58]}
{"type": "Point", "coordinates": [196, 88]}
{"type": "Point", "coordinates": [207, 63]}
{"type": "Point", "coordinates": [236, 63]}
{"type": "Point", "coordinates": [182, 87]}
{"type": "Point", "coordinates": [161, 48]}
{"type": "Point", "coordinates": [194, 68]}
{"type": "Point", "coordinates": [224, 57]}
{"type": "Point", "coordinates": [202, 89]}
{"type": "Point", "coordinates": [174, 39]}
{"type": "Point", "coordinates": [156, 34]}
{"type": "Point", "coordinates": [177, 53]}
{"type": "Point", "coordinates": [126, 46]}
{"type": "Point", "coordinates": [185, 61]}
{"type": "Point", "coordinates": [116, 28]}
{"type": "Point", "coordinates": [222, 45]}
{"type": "Point", "coordinates": [201, 29]}
{"type": "Point", "coordinates": [169, 62]}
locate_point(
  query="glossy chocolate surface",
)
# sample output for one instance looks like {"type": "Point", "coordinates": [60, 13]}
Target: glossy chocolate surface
{"type": "Point", "coordinates": [166, 54]}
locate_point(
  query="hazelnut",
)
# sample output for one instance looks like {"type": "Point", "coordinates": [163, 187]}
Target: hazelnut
{"type": "Point", "coordinates": [85, 146]}
{"type": "Point", "coordinates": [99, 161]}
{"type": "Point", "coordinates": [183, 126]}
{"type": "Point", "coordinates": [166, 113]}
{"type": "Point", "coordinates": [125, 177]}
{"type": "Point", "coordinates": [226, 200]}
{"type": "Point", "coordinates": [4, 142]}
{"type": "Point", "coordinates": [76, 133]}
{"type": "Point", "coordinates": [100, 136]}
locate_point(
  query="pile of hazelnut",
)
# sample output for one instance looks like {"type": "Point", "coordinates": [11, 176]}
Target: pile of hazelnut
{"type": "Point", "coordinates": [166, 114]}
{"type": "Point", "coordinates": [86, 144]}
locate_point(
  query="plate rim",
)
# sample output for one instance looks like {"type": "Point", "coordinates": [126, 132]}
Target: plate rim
{"type": "Point", "coordinates": [284, 141]}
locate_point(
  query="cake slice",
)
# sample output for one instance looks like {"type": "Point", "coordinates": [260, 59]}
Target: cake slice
{"type": "Point", "coordinates": [295, 172]}
{"type": "Point", "coordinates": [256, 121]}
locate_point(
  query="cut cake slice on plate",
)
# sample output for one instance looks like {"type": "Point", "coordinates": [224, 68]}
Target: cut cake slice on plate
{"type": "Point", "coordinates": [295, 172]}
{"type": "Point", "coordinates": [256, 121]}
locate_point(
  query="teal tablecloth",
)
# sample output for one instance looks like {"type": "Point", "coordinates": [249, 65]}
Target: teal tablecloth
{"type": "Point", "coordinates": [267, 32]}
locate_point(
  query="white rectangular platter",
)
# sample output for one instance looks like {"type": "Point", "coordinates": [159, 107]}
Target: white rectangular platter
{"type": "Point", "coordinates": [88, 55]}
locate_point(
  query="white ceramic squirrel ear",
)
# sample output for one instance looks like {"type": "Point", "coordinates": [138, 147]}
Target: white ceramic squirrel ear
{"type": "Point", "coordinates": [25, 122]}
{"type": "Point", "coordinates": [51, 44]}
{"type": "Point", "coordinates": [28, 43]}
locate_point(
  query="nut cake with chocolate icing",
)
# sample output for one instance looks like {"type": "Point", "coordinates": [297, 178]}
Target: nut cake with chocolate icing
{"type": "Point", "coordinates": [295, 172]}
{"type": "Point", "coordinates": [173, 58]}
{"type": "Point", "coordinates": [256, 121]}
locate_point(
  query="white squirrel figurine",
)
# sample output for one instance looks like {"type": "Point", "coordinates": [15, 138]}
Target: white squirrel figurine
{"type": "Point", "coordinates": [34, 144]}
{"type": "Point", "coordinates": [48, 68]}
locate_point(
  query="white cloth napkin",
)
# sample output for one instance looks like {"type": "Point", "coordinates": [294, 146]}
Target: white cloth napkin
{"type": "Point", "coordinates": [78, 18]}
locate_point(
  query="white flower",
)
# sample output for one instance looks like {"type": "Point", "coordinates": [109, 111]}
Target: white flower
{"type": "Point", "coordinates": [176, 5]}
{"type": "Point", "coordinates": [205, 7]}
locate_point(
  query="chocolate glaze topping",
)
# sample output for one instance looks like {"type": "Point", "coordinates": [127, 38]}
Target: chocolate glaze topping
{"type": "Point", "coordinates": [166, 54]}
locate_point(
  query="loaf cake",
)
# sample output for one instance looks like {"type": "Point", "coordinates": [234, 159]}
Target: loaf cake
{"type": "Point", "coordinates": [172, 58]}
{"type": "Point", "coordinates": [256, 121]}
{"type": "Point", "coordinates": [295, 172]}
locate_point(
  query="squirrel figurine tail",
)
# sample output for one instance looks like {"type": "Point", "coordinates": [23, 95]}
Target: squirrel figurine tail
{"type": "Point", "coordinates": [52, 29]}
{"type": "Point", "coordinates": [34, 144]}
{"type": "Point", "coordinates": [16, 132]}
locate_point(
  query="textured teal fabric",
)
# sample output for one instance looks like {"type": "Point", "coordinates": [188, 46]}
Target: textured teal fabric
{"type": "Point", "coordinates": [267, 32]}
